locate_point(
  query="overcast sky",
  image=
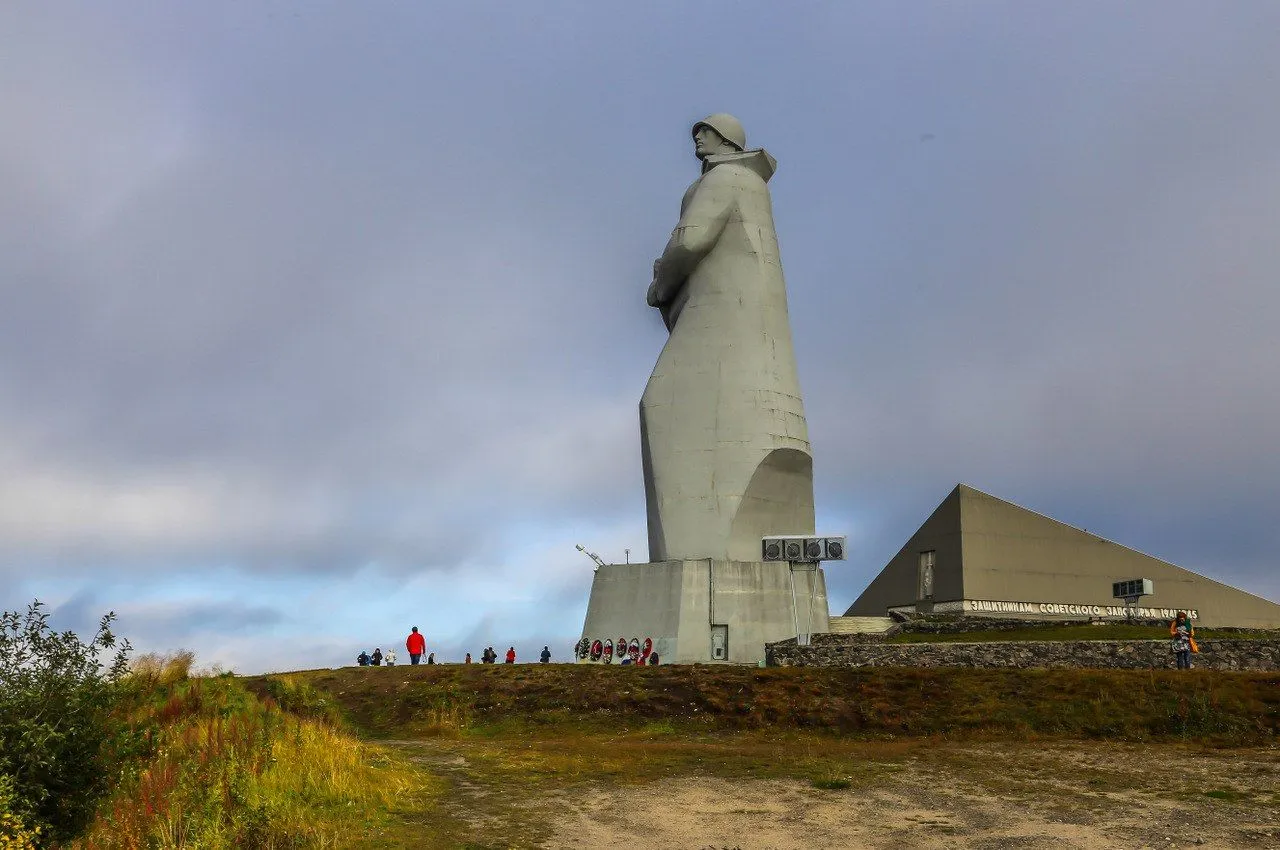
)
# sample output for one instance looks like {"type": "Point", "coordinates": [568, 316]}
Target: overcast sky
{"type": "Point", "coordinates": [322, 319]}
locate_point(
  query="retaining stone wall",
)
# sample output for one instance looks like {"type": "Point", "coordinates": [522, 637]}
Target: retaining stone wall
{"type": "Point", "coordinates": [841, 651]}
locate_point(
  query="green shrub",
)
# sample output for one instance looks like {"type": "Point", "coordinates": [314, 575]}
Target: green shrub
{"type": "Point", "coordinates": [14, 832]}
{"type": "Point", "coordinates": [57, 731]}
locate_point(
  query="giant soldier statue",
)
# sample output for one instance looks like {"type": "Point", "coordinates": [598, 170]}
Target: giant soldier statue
{"type": "Point", "coordinates": [724, 441]}
{"type": "Point", "coordinates": [723, 436]}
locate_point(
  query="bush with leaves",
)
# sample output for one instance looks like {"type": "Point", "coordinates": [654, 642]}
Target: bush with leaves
{"type": "Point", "coordinates": [14, 832]}
{"type": "Point", "coordinates": [57, 731]}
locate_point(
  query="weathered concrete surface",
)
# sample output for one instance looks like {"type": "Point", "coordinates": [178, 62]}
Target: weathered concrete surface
{"type": "Point", "coordinates": [675, 603]}
{"type": "Point", "coordinates": [864, 651]}
{"type": "Point", "coordinates": [861, 625]}
{"type": "Point", "coordinates": [725, 446]}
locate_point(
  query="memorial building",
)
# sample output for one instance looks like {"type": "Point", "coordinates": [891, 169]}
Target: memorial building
{"type": "Point", "coordinates": [977, 554]}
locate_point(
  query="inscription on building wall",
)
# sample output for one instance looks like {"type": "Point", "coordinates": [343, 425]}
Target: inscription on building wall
{"type": "Point", "coordinates": [1046, 608]}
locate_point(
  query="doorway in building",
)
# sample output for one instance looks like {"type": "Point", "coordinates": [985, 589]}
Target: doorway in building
{"type": "Point", "coordinates": [719, 643]}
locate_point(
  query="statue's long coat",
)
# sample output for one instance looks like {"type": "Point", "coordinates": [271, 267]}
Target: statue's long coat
{"type": "Point", "coordinates": [725, 445]}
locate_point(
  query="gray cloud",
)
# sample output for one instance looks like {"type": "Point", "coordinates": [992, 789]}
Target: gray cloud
{"type": "Point", "coordinates": [298, 289]}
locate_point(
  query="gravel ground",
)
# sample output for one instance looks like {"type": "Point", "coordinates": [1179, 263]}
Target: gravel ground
{"type": "Point", "coordinates": [983, 797]}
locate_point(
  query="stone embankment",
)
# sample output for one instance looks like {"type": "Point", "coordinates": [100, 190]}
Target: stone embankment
{"type": "Point", "coordinates": [829, 650]}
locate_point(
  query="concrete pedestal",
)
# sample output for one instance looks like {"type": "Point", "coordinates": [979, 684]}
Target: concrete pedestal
{"type": "Point", "coordinates": [706, 610]}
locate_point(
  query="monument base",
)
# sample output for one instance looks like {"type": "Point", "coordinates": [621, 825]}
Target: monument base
{"type": "Point", "coordinates": [705, 611]}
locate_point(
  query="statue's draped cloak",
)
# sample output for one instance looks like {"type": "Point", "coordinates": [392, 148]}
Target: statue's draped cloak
{"type": "Point", "coordinates": [724, 440]}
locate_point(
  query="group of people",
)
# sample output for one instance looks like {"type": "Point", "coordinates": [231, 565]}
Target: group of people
{"type": "Point", "coordinates": [491, 657]}
{"type": "Point", "coordinates": [376, 659]}
{"type": "Point", "coordinates": [416, 645]}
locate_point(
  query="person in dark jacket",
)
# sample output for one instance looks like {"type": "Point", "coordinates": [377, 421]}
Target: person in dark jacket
{"type": "Point", "coordinates": [546, 655]}
{"type": "Point", "coordinates": [363, 659]}
{"type": "Point", "coordinates": [376, 658]}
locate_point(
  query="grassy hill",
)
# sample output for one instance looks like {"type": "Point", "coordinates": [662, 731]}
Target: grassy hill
{"type": "Point", "coordinates": [510, 744]}
{"type": "Point", "coordinates": [483, 756]}
{"type": "Point", "coordinates": [396, 702]}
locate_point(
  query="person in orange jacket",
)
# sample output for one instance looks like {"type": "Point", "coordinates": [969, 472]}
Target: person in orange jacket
{"type": "Point", "coordinates": [1184, 640]}
{"type": "Point", "coordinates": [511, 655]}
{"type": "Point", "coordinates": [416, 644]}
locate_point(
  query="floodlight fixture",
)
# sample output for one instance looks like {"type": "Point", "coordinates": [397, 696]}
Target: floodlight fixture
{"type": "Point", "coordinates": [1131, 590]}
{"type": "Point", "coordinates": [592, 555]}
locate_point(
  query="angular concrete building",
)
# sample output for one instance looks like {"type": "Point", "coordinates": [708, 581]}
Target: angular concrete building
{"type": "Point", "coordinates": [981, 555]}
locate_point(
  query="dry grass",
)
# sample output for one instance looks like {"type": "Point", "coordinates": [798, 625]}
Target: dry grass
{"type": "Point", "coordinates": [1226, 709]}
{"type": "Point", "coordinates": [225, 769]}
{"type": "Point", "coordinates": [157, 670]}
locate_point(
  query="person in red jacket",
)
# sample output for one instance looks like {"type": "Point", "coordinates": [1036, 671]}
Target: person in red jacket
{"type": "Point", "coordinates": [511, 655]}
{"type": "Point", "coordinates": [416, 644]}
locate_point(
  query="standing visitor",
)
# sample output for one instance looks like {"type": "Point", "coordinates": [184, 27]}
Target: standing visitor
{"type": "Point", "coordinates": [468, 661]}
{"type": "Point", "coordinates": [363, 658]}
{"type": "Point", "coordinates": [1184, 642]}
{"type": "Point", "coordinates": [377, 657]}
{"type": "Point", "coordinates": [431, 659]}
{"type": "Point", "coordinates": [546, 655]}
{"type": "Point", "coordinates": [391, 658]}
{"type": "Point", "coordinates": [416, 644]}
{"type": "Point", "coordinates": [511, 655]}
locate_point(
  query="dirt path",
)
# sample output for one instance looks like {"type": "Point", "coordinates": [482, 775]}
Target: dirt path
{"type": "Point", "coordinates": [772, 815]}
{"type": "Point", "coordinates": [983, 796]}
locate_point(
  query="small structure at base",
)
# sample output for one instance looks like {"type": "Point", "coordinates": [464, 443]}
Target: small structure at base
{"type": "Point", "coordinates": [706, 610]}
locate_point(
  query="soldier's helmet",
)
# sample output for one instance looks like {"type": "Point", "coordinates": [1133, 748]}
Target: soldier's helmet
{"type": "Point", "coordinates": [727, 126]}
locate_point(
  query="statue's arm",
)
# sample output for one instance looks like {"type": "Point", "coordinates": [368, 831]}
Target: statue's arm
{"type": "Point", "coordinates": [697, 233]}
